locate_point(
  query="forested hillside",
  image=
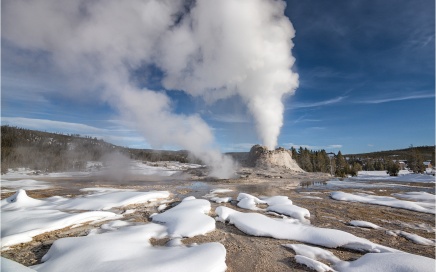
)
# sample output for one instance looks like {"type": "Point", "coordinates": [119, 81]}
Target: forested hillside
{"type": "Point", "coordinates": [427, 153]}
{"type": "Point", "coordinates": [51, 152]}
{"type": "Point", "coordinates": [349, 164]}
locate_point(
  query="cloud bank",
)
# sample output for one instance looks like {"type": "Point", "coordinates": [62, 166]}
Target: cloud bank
{"type": "Point", "coordinates": [210, 49]}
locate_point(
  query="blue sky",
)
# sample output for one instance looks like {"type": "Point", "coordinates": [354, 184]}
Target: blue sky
{"type": "Point", "coordinates": [366, 72]}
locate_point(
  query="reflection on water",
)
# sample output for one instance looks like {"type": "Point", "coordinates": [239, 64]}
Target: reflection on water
{"type": "Point", "coordinates": [307, 184]}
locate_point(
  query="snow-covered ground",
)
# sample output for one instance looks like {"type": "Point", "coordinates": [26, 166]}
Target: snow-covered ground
{"type": "Point", "coordinates": [121, 244]}
{"type": "Point", "coordinates": [426, 207]}
{"type": "Point", "coordinates": [24, 217]}
{"type": "Point", "coordinates": [403, 176]}
{"type": "Point", "coordinates": [97, 168]}
{"type": "Point", "coordinates": [257, 224]}
{"type": "Point", "coordinates": [26, 184]}
{"type": "Point", "coordinates": [129, 249]}
{"type": "Point", "coordinates": [374, 262]}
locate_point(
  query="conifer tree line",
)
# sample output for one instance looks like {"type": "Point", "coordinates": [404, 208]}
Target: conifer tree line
{"type": "Point", "coordinates": [51, 152]}
{"type": "Point", "coordinates": [338, 165]}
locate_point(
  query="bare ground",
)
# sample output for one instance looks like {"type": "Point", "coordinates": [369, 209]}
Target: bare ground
{"type": "Point", "coordinates": [244, 252]}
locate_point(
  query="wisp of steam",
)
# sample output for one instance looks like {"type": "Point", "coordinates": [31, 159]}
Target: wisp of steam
{"type": "Point", "coordinates": [213, 49]}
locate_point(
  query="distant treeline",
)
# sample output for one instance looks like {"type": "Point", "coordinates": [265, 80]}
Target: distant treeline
{"type": "Point", "coordinates": [343, 165]}
{"type": "Point", "coordinates": [53, 152]}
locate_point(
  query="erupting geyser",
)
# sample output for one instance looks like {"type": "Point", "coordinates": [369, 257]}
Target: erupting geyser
{"type": "Point", "coordinates": [207, 48]}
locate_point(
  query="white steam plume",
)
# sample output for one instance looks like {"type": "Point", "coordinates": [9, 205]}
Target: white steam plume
{"type": "Point", "coordinates": [213, 49]}
{"type": "Point", "coordinates": [235, 47]}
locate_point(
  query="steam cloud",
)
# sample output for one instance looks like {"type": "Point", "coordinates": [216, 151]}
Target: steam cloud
{"type": "Point", "coordinates": [207, 48]}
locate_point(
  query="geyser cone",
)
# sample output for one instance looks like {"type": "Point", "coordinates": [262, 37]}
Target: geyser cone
{"type": "Point", "coordinates": [262, 157]}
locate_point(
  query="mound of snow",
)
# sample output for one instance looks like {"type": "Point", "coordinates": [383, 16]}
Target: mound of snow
{"type": "Point", "coordinates": [24, 217]}
{"type": "Point", "coordinates": [417, 196]}
{"type": "Point", "coordinates": [221, 199]}
{"type": "Point", "coordinates": [388, 262]}
{"type": "Point", "coordinates": [260, 225]}
{"type": "Point", "coordinates": [20, 226]}
{"type": "Point", "coordinates": [249, 202]}
{"type": "Point", "coordinates": [105, 201]}
{"type": "Point", "coordinates": [187, 219]}
{"type": "Point", "coordinates": [413, 237]}
{"type": "Point", "coordinates": [129, 249]}
{"type": "Point", "coordinates": [374, 262]}
{"type": "Point", "coordinates": [385, 201]}
{"type": "Point", "coordinates": [279, 204]}
{"type": "Point", "coordinates": [19, 200]}
{"type": "Point", "coordinates": [363, 224]}
{"type": "Point", "coordinates": [11, 266]}
{"type": "Point", "coordinates": [315, 253]}
{"type": "Point", "coordinates": [213, 195]}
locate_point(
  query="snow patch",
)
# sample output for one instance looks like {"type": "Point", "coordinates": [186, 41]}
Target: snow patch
{"type": "Point", "coordinates": [403, 176]}
{"type": "Point", "coordinates": [249, 202]}
{"type": "Point", "coordinates": [423, 207]}
{"type": "Point", "coordinates": [414, 238]}
{"type": "Point", "coordinates": [105, 201]}
{"type": "Point", "coordinates": [213, 195]}
{"type": "Point", "coordinates": [374, 262]}
{"type": "Point", "coordinates": [221, 199]}
{"type": "Point", "coordinates": [26, 184]}
{"type": "Point", "coordinates": [11, 266]}
{"type": "Point", "coordinates": [279, 204]}
{"type": "Point", "coordinates": [417, 196]}
{"type": "Point", "coordinates": [313, 264]}
{"type": "Point", "coordinates": [388, 262]}
{"type": "Point", "coordinates": [129, 249]}
{"type": "Point", "coordinates": [24, 217]}
{"type": "Point", "coordinates": [260, 225]}
{"type": "Point", "coordinates": [363, 224]}
{"type": "Point", "coordinates": [187, 219]}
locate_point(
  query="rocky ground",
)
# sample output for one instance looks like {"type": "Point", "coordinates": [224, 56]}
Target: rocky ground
{"type": "Point", "coordinates": [244, 252]}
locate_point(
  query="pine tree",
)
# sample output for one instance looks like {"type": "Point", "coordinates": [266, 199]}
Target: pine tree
{"type": "Point", "coordinates": [341, 165]}
{"type": "Point", "coordinates": [392, 168]}
{"type": "Point", "coordinates": [306, 161]}
{"type": "Point", "coordinates": [294, 153]}
{"type": "Point", "coordinates": [355, 168]}
{"type": "Point", "coordinates": [323, 162]}
{"type": "Point", "coordinates": [416, 162]}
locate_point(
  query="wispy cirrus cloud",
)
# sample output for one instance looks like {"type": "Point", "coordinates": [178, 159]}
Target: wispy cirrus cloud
{"type": "Point", "coordinates": [319, 103]}
{"type": "Point", "coordinates": [51, 125]}
{"type": "Point", "coordinates": [394, 98]}
{"type": "Point", "coordinates": [116, 135]}
{"type": "Point", "coordinates": [303, 119]}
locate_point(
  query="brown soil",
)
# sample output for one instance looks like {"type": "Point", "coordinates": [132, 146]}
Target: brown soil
{"type": "Point", "coordinates": [248, 253]}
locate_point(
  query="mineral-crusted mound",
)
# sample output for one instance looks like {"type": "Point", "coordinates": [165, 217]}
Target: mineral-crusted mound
{"type": "Point", "coordinates": [261, 157]}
